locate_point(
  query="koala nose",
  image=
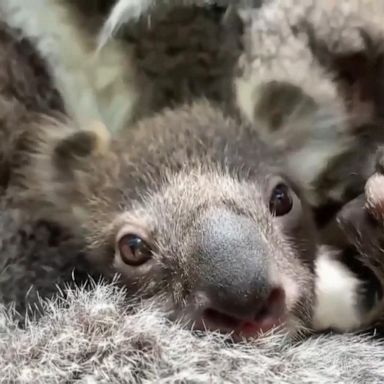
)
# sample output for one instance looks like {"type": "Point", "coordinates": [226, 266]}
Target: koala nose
{"type": "Point", "coordinates": [234, 265]}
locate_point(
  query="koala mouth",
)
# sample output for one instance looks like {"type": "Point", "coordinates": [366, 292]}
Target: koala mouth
{"type": "Point", "coordinates": [270, 316]}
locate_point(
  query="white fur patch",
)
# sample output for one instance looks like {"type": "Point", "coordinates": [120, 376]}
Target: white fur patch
{"type": "Point", "coordinates": [102, 321]}
{"type": "Point", "coordinates": [336, 288]}
{"type": "Point", "coordinates": [94, 87]}
{"type": "Point", "coordinates": [123, 11]}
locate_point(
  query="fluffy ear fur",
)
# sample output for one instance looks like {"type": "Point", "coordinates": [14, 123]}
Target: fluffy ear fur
{"type": "Point", "coordinates": [281, 101]}
{"type": "Point", "coordinates": [72, 152]}
{"type": "Point", "coordinates": [65, 167]}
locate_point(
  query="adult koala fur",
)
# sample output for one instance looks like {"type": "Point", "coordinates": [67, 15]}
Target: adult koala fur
{"type": "Point", "coordinates": [93, 337]}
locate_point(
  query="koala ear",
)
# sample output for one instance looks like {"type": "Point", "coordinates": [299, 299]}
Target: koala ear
{"type": "Point", "coordinates": [74, 151]}
{"type": "Point", "coordinates": [279, 101]}
{"type": "Point", "coordinates": [64, 167]}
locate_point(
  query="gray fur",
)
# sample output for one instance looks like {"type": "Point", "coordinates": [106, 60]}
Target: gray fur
{"type": "Point", "coordinates": [321, 101]}
{"type": "Point", "coordinates": [93, 337]}
{"type": "Point", "coordinates": [163, 179]}
{"type": "Point", "coordinates": [99, 335]}
{"type": "Point", "coordinates": [320, 95]}
{"type": "Point", "coordinates": [165, 175]}
{"type": "Point", "coordinates": [36, 257]}
{"type": "Point", "coordinates": [166, 190]}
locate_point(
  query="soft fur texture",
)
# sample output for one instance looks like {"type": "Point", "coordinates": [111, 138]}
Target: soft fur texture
{"type": "Point", "coordinates": [94, 86]}
{"type": "Point", "coordinates": [93, 338]}
{"type": "Point", "coordinates": [167, 59]}
{"type": "Point", "coordinates": [319, 97]}
{"type": "Point", "coordinates": [35, 258]}
{"type": "Point", "coordinates": [181, 54]}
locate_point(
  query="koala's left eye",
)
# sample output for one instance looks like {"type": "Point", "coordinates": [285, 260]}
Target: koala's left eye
{"type": "Point", "coordinates": [134, 251]}
{"type": "Point", "coordinates": [281, 201]}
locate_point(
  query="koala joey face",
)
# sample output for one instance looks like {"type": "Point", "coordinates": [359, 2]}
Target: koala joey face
{"type": "Point", "coordinates": [189, 207]}
{"type": "Point", "coordinates": [221, 253]}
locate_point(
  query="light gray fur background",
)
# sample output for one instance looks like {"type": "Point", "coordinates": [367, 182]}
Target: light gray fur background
{"type": "Point", "coordinates": [91, 336]}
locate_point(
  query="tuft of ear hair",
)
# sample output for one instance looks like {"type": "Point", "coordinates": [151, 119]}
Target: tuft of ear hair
{"type": "Point", "coordinates": [280, 100]}
{"type": "Point", "coordinates": [60, 164]}
{"type": "Point", "coordinates": [94, 141]}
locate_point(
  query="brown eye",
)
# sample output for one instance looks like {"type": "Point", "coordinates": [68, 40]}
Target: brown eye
{"type": "Point", "coordinates": [134, 250]}
{"type": "Point", "coordinates": [281, 200]}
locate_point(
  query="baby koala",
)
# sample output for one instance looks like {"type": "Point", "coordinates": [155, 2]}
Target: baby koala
{"type": "Point", "coordinates": [310, 75]}
{"type": "Point", "coordinates": [192, 208]}
{"type": "Point", "coordinates": [189, 206]}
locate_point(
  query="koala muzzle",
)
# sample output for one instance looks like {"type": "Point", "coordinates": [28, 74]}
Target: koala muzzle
{"type": "Point", "coordinates": [234, 276]}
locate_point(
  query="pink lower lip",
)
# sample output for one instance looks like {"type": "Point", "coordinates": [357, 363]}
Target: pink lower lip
{"type": "Point", "coordinates": [248, 329]}
{"type": "Point", "coordinates": [255, 328]}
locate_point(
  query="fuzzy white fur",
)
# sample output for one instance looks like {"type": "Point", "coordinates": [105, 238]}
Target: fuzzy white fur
{"type": "Point", "coordinates": [95, 86]}
{"type": "Point", "coordinates": [336, 290]}
{"type": "Point", "coordinates": [93, 337]}
{"type": "Point", "coordinates": [123, 11]}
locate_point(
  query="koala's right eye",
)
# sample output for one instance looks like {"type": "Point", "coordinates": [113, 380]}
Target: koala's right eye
{"type": "Point", "coordinates": [281, 202]}
{"type": "Point", "coordinates": [134, 251]}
